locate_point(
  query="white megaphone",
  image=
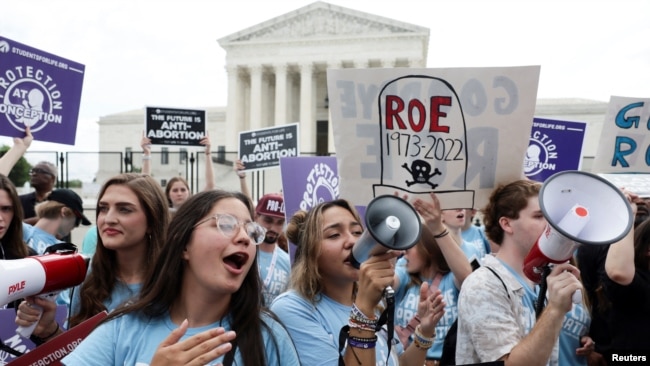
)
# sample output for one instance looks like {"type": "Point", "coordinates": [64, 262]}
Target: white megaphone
{"type": "Point", "coordinates": [580, 208]}
{"type": "Point", "coordinates": [39, 275]}
{"type": "Point", "coordinates": [391, 223]}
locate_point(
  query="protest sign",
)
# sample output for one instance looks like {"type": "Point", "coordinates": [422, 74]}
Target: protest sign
{"type": "Point", "coordinates": [54, 350]}
{"type": "Point", "coordinates": [13, 340]}
{"type": "Point", "coordinates": [456, 132]}
{"type": "Point", "coordinates": [306, 182]}
{"type": "Point", "coordinates": [263, 148]}
{"type": "Point", "coordinates": [624, 145]}
{"type": "Point", "coordinates": [554, 146]}
{"type": "Point", "coordinates": [170, 126]}
{"type": "Point", "coordinates": [637, 183]}
{"type": "Point", "coordinates": [39, 90]}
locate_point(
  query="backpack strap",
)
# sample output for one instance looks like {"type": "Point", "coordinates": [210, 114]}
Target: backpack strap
{"type": "Point", "coordinates": [499, 277]}
{"type": "Point", "coordinates": [449, 345]}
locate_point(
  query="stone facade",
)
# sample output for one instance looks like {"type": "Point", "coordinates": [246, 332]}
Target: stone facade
{"type": "Point", "coordinates": [277, 75]}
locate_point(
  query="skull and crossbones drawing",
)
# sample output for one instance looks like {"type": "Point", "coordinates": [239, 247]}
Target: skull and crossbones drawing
{"type": "Point", "coordinates": [421, 172]}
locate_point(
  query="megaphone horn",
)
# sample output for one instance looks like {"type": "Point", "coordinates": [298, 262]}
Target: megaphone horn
{"type": "Point", "coordinates": [391, 223]}
{"type": "Point", "coordinates": [40, 274]}
{"type": "Point", "coordinates": [580, 208]}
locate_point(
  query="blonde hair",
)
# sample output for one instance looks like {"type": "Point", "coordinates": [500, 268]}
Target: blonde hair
{"type": "Point", "coordinates": [305, 230]}
{"type": "Point", "coordinates": [51, 210]}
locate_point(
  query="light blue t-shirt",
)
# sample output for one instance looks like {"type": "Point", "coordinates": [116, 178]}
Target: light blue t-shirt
{"type": "Point", "coordinates": [89, 244]}
{"type": "Point", "coordinates": [133, 340]}
{"type": "Point", "coordinates": [274, 272]}
{"type": "Point", "coordinates": [471, 252]}
{"type": "Point", "coordinates": [315, 330]}
{"type": "Point", "coordinates": [528, 300]}
{"type": "Point", "coordinates": [575, 326]}
{"type": "Point", "coordinates": [38, 239]}
{"type": "Point", "coordinates": [406, 305]}
{"type": "Point", "coordinates": [475, 237]}
{"type": "Point", "coordinates": [121, 293]}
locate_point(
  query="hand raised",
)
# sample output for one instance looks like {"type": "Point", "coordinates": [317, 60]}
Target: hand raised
{"type": "Point", "coordinates": [198, 349]}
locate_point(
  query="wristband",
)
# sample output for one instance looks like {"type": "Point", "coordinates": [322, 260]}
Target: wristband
{"type": "Point", "coordinates": [40, 340]}
{"type": "Point", "coordinates": [146, 157]}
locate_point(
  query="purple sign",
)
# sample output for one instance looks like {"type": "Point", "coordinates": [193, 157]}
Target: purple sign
{"type": "Point", "coordinates": [40, 90]}
{"type": "Point", "coordinates": [10, 338]}
{"type": "Point", "coordinates": [306, 182]}
{"type": "Point", "coordinates": [554, 146]}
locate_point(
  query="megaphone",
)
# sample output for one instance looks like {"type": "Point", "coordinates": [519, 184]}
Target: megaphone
{"type": "Point", "coordinates": [38, 275]}
{"type": "Point", "coordinates": [580, 208]}
{"type": "Point", "coordinates": [391, 223]}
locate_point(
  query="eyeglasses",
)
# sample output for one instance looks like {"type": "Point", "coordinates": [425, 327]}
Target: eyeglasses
{"type": "Point", "coordinates": [39, 171]}
{"type": "Point", "coordinates": [229, 225]}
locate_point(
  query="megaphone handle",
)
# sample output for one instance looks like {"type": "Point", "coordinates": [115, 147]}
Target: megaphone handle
{"type": "Point", "coordinates": [577, 297]}
{"type": "Point", "coordinates": [26, 332]}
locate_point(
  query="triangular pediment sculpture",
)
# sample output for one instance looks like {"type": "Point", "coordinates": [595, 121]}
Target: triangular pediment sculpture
{"type": "Point", "coordinates": [321, 19]}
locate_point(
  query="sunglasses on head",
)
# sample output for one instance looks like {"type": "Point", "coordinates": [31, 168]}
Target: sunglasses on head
{"type": "Point", "coordinates": [39, 171]}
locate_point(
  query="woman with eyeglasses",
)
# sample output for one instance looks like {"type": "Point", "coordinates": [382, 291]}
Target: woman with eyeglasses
{"type": "Point", "coordinates": [332, 310]}
{"type": "Point", "coordinates": [132, 221]}
{"type": "Point", "coordinates": [201, 305]}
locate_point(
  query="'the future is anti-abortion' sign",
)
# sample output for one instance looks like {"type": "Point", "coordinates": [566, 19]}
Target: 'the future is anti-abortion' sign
{"type": "Point", "coordinates": [39, 90]}
{"type": "Point", "coordinates": [170, 126]}
{"type": "Point", "coordinates": [263, 148]}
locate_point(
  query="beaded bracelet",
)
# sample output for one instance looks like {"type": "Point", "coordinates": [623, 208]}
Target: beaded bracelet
{"type": "Point", "coordinates": [362, 339]}
{"type": "Point", "coordinates": [358, 320]}
{"type": "Point", "coordinates": [358, 313]}
{"type": "Point", "coordinates": [361, 344]}
{"type": "Point", "coordinates": [421, 341]}
{"type": "Point", "coordinates": [363, 323]}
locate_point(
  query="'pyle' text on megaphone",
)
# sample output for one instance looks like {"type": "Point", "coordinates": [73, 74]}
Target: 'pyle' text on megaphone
{"type": "Point", "coordinates": [40, 274]}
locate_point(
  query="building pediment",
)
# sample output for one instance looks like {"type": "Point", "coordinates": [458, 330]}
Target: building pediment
{"type": "Point", "coordinates": [320, 20]}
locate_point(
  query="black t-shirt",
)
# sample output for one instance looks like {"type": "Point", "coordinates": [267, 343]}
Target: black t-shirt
{"type": "Point", "coordinates": [630, 315]}
{"type": "Point", "coordinates": [28, 202]}
{"type": "Point", "coordinates": [591, 262]}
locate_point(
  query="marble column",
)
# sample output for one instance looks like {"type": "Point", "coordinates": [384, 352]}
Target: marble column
{"type": "Point", "coordinates": [307, 122]}
{"type": "Point", "coordinates": [233, 114]}
{"type": "Point", "coordinates": [388, 62]}
{"type": "Point", "coordinates": [361, 64]}
{"type": "Point", "coordinates": [256, 97]}
{"type": "Point", "coordinates": [280, 94]}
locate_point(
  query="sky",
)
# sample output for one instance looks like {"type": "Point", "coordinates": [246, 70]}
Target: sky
{"type": "Point", "coordinates": [141, 53]}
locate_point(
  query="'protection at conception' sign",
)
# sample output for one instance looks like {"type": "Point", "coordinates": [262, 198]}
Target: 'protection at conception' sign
{"type": "Point", "coordinates": [39, 90]}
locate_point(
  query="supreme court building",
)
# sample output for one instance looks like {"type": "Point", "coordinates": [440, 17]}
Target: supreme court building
{"type": "Point", "coordinates": [277, 75]}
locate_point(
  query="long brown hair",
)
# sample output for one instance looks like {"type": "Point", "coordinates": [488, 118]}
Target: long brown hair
{"type": "Point", "coordinates": [168, 188]}
{"type": "Point", "coordinates": [12, 243]}
{"type": "Point", "coordinates": [163, 287]}
{"type": "Point", "coordinates": [305, 229]}
{"type": "Point", "coordinates": [429, 250]}
{"type": "Point", "coordinates": [101, 280]}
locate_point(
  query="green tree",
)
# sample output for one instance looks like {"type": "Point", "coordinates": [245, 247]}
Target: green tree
{"type": "Point", "coordinates": [74, 183]}
{"type": "Point", "coordinates": [20, 172]}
